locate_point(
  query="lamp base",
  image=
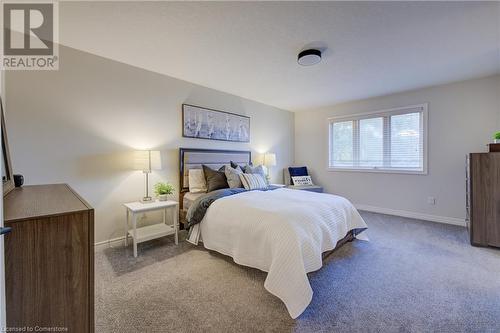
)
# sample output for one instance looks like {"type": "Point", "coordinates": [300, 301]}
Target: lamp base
{"type": "Point", "coordinates": [147, 199]}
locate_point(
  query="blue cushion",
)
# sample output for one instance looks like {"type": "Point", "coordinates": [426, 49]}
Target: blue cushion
{"type": "Point", "coordinates": [297, 171]}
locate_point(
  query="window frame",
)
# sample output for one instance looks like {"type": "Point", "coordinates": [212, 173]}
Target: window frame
{"type": "Point", "coordinates": [382, 113]}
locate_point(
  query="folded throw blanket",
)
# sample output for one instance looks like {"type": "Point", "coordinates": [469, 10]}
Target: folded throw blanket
{"type": "Point", "coordinates": [197, 210]}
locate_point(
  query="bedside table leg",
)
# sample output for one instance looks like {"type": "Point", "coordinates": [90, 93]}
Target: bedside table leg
{"type": "Point", "coordinates": [126, 229]}
{"type": "Point", "coordinates": [176, 224]}
{"type": "Point", "coordinates": [134, 226]}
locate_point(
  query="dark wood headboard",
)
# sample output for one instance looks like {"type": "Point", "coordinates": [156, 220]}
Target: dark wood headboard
{"type": "Point", "coordinates": [193, 158]}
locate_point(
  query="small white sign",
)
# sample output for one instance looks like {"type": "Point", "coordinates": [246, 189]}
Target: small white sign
{"type": "Point", "coordinates": [302, 180]}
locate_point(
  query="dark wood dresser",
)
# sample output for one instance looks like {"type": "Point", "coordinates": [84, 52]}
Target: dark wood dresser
{"type": "Point", "coordinates": [483, 199]}
{"type": "Point", "coordinates": [49, 258]}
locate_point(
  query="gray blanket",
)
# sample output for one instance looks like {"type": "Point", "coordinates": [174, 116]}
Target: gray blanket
{"type": "Point", "coordinates": [198, 208]}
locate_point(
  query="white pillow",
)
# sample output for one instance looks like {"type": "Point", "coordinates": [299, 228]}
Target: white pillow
{"type": "Point", "coordinates": [253, 181]}
{"type": "Point", "coordinates": [197, 182]}
{"type": "Point", "coordinates": [302, 180]}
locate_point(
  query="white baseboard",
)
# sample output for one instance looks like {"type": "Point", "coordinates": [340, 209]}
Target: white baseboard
{"type": "Point", "coordinates": [413, 215]}
{"type": "Point", "coordinates": [110, 242]}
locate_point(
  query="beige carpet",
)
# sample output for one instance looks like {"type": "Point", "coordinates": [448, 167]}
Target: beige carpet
{"type": "Point", "coordinates": [413, 276]}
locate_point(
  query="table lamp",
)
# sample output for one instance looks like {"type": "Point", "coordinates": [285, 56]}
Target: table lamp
{"type": "Point", "coordinates": [146, 161]}
{"type": "Point", "coordinates": [269, 161]}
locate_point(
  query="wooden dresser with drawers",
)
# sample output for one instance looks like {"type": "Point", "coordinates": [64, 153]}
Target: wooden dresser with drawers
{"type": "Point", "coordinates": [49, 259]}
{"type": "Point", "coordinates": [483, 198]}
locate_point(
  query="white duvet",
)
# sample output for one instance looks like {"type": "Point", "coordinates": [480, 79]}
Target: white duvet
{"type": "Point", "coordinates": [283, 232]}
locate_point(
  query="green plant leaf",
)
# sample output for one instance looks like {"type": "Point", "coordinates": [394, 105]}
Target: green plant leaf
{"type": "Point", "coordinates": [163, 188]}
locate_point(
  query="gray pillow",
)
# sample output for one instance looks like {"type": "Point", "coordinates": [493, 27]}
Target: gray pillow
{"type": "Point", "coordinates": [235, 165]}
{"type": "Point", "coordinates": [215, 179]}
{"type": "Point", "coordinates": [256, 170]}
{"type": "Point", "coordinates": [233, 176]}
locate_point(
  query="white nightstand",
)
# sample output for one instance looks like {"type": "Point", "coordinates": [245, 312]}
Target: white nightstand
{"type": "Point", "coordinates": [150, 232]}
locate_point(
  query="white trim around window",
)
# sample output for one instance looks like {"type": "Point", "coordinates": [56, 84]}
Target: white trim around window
{"type": "Point", "coordinates": [365, 142]}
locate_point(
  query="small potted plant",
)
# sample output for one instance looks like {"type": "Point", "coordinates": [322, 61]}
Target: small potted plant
{"type": "Point", "coordinates": [496, 137]}
{"type": "Point", "coordinates": [163, 190]}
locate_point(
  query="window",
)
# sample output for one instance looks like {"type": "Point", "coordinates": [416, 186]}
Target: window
{"type": "Point", "coordinates": [387, 141]}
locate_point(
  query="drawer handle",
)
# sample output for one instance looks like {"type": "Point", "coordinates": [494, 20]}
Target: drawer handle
{"type": "Point", "coordinates": [5, 230]}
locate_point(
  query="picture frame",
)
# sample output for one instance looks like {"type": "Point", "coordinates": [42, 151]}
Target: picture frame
{"type": "Point", "coordinates": [205, 123]}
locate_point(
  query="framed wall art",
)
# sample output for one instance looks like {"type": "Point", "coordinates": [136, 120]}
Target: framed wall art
{"type": "Point", "coordinates": [204, 123]}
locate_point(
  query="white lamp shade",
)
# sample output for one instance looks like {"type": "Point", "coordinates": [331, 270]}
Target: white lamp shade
{"type": "Point", "coordinates": [147, 160]}
{"type": "Point", "coordinates": [269, 159]}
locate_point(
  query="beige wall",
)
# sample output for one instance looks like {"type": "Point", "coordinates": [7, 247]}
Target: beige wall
{"type": "Point", "coordinates": [79, 125]}
{"type": "Point", "coordinates": [462, 119]}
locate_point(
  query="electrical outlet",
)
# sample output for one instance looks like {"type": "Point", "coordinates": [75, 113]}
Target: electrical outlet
{"type": "Point", "coordinates": [431, 200]}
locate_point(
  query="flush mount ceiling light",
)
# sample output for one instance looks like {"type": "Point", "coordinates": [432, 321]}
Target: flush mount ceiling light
{"type": "Point", "coordinates": [309, 57]}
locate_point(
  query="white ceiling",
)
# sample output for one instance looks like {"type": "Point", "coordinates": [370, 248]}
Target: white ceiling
{"type": "Point", "coordinates": [250, 48]}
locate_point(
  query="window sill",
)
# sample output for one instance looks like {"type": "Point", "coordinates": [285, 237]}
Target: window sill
{"type": "Point", "coordinates": [406, 172]}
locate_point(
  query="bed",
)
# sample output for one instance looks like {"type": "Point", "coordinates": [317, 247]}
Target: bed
{"type": "Point", "coordinates": [280, 231]}
{"type": "Point", "coordinates": [193, 158]}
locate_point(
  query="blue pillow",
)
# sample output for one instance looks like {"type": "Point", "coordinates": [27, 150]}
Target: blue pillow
{"type": "Point", "coordinates": [297, 171]}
